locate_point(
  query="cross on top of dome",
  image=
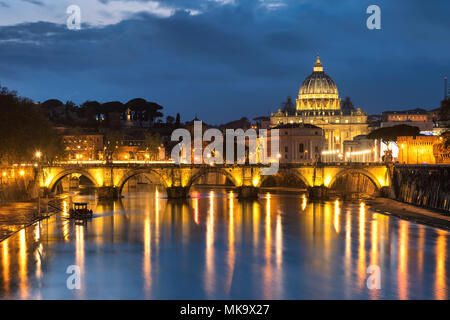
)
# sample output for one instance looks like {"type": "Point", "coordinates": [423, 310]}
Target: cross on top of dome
{"type": "Point", "coordinates": [318, 65]}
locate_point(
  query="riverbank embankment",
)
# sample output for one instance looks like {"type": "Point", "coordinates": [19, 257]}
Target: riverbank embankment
{"type": "Point", "coordinates": [411, 212]}
{"type": "Point", "coordinates": [15, 216]}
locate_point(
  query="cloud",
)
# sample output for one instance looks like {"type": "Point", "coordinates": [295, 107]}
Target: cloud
{"type": "Point", "coordinates": [93, 12]}
{"type": "Point", "coordinates": [35, 2]}
{"type": "Point", "coordinates": [231, 59]}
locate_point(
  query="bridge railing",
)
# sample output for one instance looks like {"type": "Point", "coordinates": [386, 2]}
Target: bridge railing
{"type": "Point", "coordinates": [132, 163]}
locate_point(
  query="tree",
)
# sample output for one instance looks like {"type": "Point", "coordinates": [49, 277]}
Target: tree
{"type": "Point", "coordinates": [170, 120]}
{"type": "Point", "coordinates": [144, 110]}
{"type": "Point", "coordinates": [390, 134]}
{"type": "Point", "coordinates": [52, 104]}
{"type": "Point", "coordinates": [177, 120]}
{"type": "Point", "coordinates": [25, 129]}
{"type": "Point", "coordinates": [92, 111]}
{"type": "Point", "coordinates": [152, 143]}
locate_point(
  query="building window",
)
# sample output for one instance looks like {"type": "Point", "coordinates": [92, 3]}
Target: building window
{"type": "Point", "coordinates": [316, 149]}
{"type": "Point", "coordinates": [301, 148]}
{"type": "Point", "coordinates": [285, 149]}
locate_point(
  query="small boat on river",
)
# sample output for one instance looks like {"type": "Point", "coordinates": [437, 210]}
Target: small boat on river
{"type": "Point", "coordinates": [80, 211]}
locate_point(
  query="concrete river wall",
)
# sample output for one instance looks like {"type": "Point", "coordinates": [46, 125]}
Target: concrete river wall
{"type": "Point", "coordinates": [423, 185]}
{"type": "Point", "coordinates": [17, 184]}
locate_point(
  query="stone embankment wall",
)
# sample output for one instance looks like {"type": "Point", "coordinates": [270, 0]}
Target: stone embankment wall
{"type": "Point", "coordinates": [17, 184]}
{"type": "Point", "coordinates": [423, 185]}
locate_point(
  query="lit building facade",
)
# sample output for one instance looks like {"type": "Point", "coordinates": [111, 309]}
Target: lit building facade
{"type": "Point", "coordinates": [417, 150]}
{"type": "Point", "coordinates": [319, 104]}
{"type": "Point", "coordinates": [299, 143]}
{"type": "Point", "coordinates": [415, 118]}
{"type": "Point", "coordinates": [84, 147]}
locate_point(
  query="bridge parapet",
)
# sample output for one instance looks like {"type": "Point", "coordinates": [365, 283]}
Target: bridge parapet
{"type": "Point", "coordinates": [180, 177]}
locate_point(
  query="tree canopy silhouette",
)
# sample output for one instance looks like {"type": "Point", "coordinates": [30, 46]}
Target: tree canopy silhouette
{"type": "Point", "coordinates": [25, 129]}
{"type": "Point", "coordinates": [390, 134]}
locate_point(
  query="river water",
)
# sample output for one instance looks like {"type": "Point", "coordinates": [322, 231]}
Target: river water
{"type": "Point", "coordinates": [213, 246]}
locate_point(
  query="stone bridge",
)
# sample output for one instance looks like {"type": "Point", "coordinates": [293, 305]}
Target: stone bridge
{"type": "Point", "coordinates": [177, 179]}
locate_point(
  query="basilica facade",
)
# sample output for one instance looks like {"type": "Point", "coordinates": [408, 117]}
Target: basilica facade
{"type": "Point", "coordinates": [319, 104]}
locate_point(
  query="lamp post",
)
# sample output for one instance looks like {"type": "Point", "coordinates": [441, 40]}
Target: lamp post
{"type": "Point", "coordinates": [38, 155]}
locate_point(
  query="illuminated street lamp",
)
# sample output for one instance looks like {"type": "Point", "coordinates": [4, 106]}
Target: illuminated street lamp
{"type": "Point", "coordinates": [38, 155]}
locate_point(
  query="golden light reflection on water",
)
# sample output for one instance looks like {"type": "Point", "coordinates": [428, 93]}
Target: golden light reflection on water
{"type": "Point", "coordinates": [23, 279]}
{"type": "Point", "coordinates": [147, 255]}
{"type": "Point", "coordinates": [402, 271]}
{"type": "Point", "coordinates": [348, 249]}
{"type": "Point", "coordinates": [421, 249]}
{"type": "Point", "coordinates": [210, 272]}
{"type": "Point", "coordinates": [256, 225]}
{"type": "Point", "coordinates": [231, 249]}
{"type": "Point", "coordinates": [5, 265]}
{"type": "Point", "coordinates": [362, 245]}
{"type": "Point", "coordinates": [268, 271]}
{"type": "Point", "coordinates": [374, 249]}
{"type": "Point", "coordinates": [157, 199]}
{"type": "Point", "coordinates": [337, 213]}
{"type": "Point", "coordinates": [79, 256]}
{"type": "Point", "coordinates": [304, 202]}
{"type": "Point", "coordinates": [38, 250]}
{"type": "Point", "coordinates": [196, 216]}
{"type": "Point", "coordinates": [268, 228]}
{"type": "Point", "coordinates": [441, 257]}
{"type": "Point", "coordinates": [326, 234]}
{"type": "Point", "coordinates": [279, 244]}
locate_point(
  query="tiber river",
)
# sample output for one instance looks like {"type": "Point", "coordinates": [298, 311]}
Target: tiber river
{"type": "Point", "coordinates": [213, 246]}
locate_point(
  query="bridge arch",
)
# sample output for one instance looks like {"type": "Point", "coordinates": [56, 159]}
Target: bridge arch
{"type": "Point", "coordinates": [365, 173]}
{"type": "Point", "coordinates": [67, 172]}
{"type": "Point", "coordinates": [131, 173]}
{"type": "Point", "coordinates": [285, 172]}
{"type": "Point", "coordinates": [203, 172]}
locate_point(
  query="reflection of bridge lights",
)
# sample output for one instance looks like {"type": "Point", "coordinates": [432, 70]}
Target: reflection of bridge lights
{"type": "Point", "coordinates": [304, 202]}
{"type": "Point", "coordinates": [196, 218]}
{"type": "Point", "coordinates": [337, 212]}
{"type": "Point", "coordinates": [196, 194]}
{"type": "Point", "coordinates": [23, 264]}
{"type": "Point", "coordinates": [211, 202]}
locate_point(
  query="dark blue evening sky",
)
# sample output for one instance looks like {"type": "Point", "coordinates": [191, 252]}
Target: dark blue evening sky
{"type": "Point", "coordinates": [224, 59]}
